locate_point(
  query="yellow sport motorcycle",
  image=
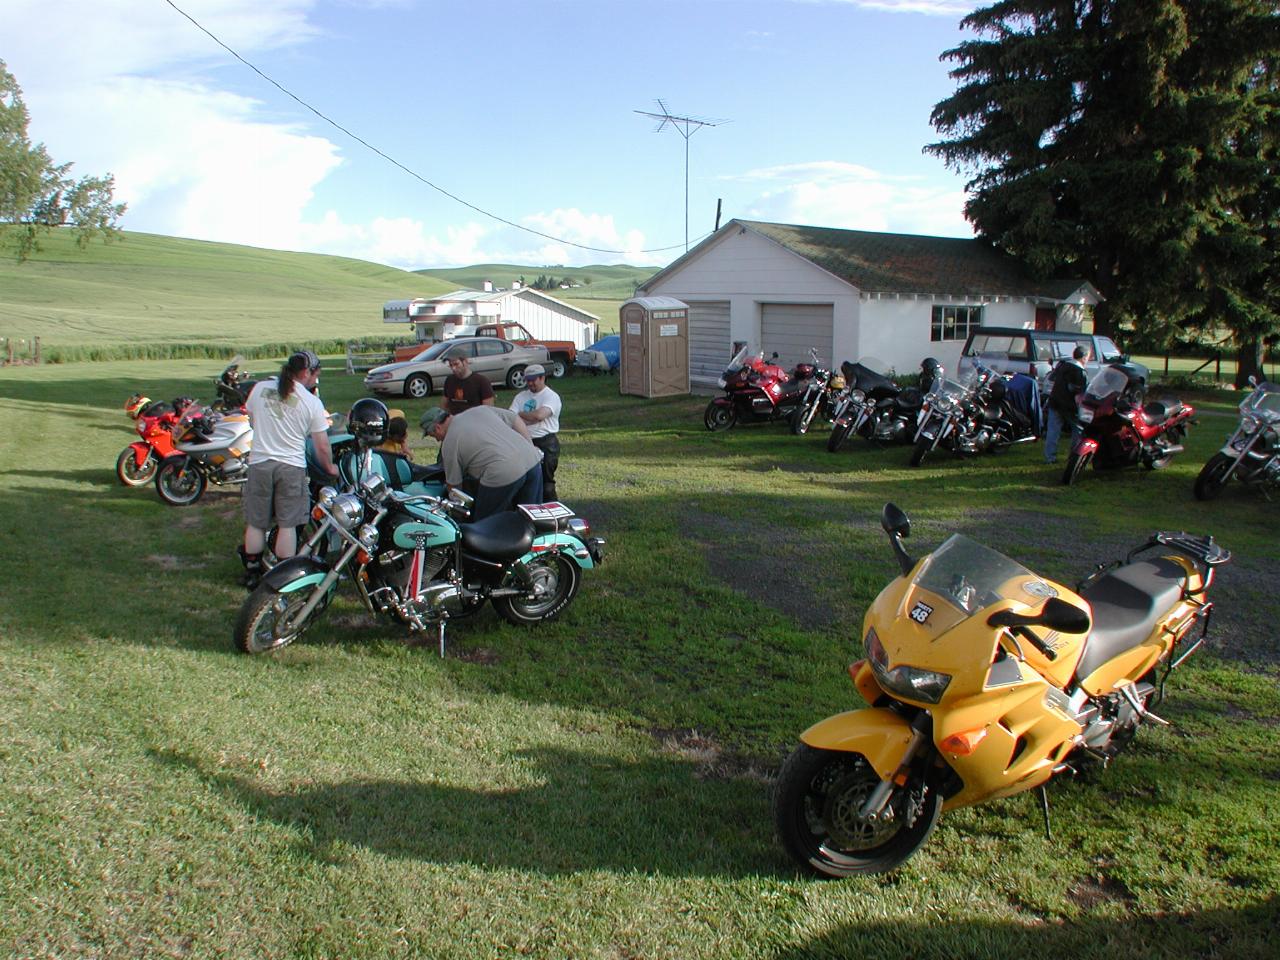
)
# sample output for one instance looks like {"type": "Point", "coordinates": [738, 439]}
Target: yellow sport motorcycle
{"type": "Point", "coordinates": [984, 681]}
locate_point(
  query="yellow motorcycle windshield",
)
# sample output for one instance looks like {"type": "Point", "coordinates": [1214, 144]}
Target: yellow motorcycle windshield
{"type": "Point", "coordinates": [971, 577]}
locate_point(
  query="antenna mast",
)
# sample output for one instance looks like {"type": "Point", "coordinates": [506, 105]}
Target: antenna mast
{"type": "Point", "coordinates": [686, 127]}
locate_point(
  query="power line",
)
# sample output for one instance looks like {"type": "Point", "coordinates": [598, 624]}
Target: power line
{"type": "Point", "coordinates": [413, 173]}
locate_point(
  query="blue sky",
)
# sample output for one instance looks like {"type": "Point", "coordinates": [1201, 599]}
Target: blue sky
{"type": "Point", "coordinates": [525, 110]}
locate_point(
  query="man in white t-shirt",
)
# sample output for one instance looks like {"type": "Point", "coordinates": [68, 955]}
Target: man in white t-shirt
{"type": "Point", "coordinates": [283, 412]}
{"type": "Point", "coordinates": [539, 407]}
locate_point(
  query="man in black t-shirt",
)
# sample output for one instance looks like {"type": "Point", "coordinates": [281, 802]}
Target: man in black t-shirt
{"type": "Point", "coordinates": [464, 389]}
{"type": "Point", "coordinates": [1069, 381]}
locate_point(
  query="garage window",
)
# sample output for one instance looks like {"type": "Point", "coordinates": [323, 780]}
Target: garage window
{"type": "Point", "coordinates": [954, 323]}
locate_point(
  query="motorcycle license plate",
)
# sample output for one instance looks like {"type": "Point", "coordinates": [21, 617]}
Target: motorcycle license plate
{"type": "Point", "coordinates": [1086, 416]}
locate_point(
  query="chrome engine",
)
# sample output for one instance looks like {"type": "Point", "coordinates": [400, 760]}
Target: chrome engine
{"type": "Point", "coordinates": [1110, 722]}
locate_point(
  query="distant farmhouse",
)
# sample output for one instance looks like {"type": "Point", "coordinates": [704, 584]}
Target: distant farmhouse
{"type": "Point", "coordinates": [853, 294]}
{"type": "Point", "coordinates": [542, 315]}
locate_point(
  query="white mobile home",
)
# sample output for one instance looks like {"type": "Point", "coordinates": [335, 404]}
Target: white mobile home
{"type": "Point", "coordinates": [544, 316]}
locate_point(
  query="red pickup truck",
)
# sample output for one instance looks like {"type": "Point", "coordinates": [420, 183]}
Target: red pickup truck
{"type": "Point", "coordinates": [562, 352]}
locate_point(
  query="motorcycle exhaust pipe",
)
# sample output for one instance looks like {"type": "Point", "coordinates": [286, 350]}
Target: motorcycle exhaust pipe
{"type": "Point", "coordinates": [1176, 448]}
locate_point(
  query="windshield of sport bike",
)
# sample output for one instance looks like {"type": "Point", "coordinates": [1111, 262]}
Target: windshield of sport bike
{"type": "Point", "coordinates": [1263, 403]}
{"type": "Point", "coordinates": [970, 576]}
{"type": "Point", "coordinates": [1107, 381]}
{"type": "Point", "coordinates": [189, 416]}
{"type": "Point", "coordinates": [741, 359]}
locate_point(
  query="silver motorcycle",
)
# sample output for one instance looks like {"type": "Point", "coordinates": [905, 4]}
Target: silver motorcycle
{"type": "Point", "coordinates": [1251, 454]}
{"type": "Point", "coordinates": [212, 447]}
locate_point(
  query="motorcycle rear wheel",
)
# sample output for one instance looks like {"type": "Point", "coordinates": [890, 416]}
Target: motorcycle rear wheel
{"type": "Point", "coordinates": [1076, 463]}
{"type": "Point", "coordinates": [263, 622]}
{"type": "Point", "coordinates": [839, 434]}
{"type": "Point", "coordinates": [815, 812]}
{"type": "Point", "coordinates": [559, 578]}
{"type": "Point", "coordinates": [130, 474]}
{"type": "Point", "coordinates": [923, 446]}
{"type": "Point", "coordinates": [180, 485]}
{"type": "Point", "coordinates": [719, 417]}
{"type": "Point", "coordinates": [1213, 476]}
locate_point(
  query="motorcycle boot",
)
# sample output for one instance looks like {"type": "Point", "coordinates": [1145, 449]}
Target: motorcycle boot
{"type": "Point", "coordinates": [253, 568]}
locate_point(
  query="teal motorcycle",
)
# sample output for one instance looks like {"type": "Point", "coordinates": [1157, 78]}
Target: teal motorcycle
{"type": "Point", "coordinates": [414, 557]}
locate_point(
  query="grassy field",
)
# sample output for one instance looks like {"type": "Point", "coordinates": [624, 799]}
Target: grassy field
{"type": "Point", "coordinates": [155, 290]}
{"type": "Point", "coordinates": [597, 787]}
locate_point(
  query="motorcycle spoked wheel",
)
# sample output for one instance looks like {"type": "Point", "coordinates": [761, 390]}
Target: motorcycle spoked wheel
{"type": "Point", "coordinates": [718, 417]}
{"type": "Point", "coordinates": [178, 487]}
{"type": "Point", "coordinates": [262, 626]}
{"type": "Point", "coordinates": [802, 416]}
{"type": "Point", "coordinates": [815, 811]}
{"type": "Point", "coordinates": [1076, 463]}
{"type": "Point", "coordinates": [558, 579]}
{"type": "Point", "coordinates": [130, 474]}
{"type": "Point", "coordinates": [1213, 476]}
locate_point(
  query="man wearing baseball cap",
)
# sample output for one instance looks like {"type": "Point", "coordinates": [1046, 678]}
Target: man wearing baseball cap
{"type": "Point", "coordinates": [490, 446]}
{"type": "Point", "coordinates": [539, 407]}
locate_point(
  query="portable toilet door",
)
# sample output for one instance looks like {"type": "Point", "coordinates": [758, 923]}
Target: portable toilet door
{"type": "Point", "coordinates": [654, 334]}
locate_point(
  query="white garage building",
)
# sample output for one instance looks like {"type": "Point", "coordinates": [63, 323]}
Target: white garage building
{"type": "Point", "coordinates": [853, 294]}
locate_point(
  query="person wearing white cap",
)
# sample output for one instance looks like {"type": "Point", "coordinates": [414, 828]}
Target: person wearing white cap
{"type": "Point", "coordinates": [539, 407]}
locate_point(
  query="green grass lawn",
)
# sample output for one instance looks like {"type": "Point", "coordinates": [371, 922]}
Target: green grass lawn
{"type": "Point", "coordinates": [596, 787]}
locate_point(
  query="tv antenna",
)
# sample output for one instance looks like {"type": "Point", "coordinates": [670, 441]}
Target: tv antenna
{"type": "Point", "coordinates": [686, 127]}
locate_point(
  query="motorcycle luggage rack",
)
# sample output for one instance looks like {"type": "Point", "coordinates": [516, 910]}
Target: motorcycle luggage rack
{"type": "Point", "coordinates": [1203, 549]}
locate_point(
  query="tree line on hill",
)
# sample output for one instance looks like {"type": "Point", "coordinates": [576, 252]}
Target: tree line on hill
{"type": "Point", "coordinates": [37, 194]}
{"type": "Point", "coordinates": [1133, 143]}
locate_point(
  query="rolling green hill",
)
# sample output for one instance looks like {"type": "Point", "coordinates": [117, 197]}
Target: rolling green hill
{"type": "Point", "coordinates": [598, 282]}
{"type": "Point", "coordinates": [157, 291]}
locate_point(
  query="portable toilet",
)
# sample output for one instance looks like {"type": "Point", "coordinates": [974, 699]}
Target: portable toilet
{"type": "Point", "coordinates": [654, 334]}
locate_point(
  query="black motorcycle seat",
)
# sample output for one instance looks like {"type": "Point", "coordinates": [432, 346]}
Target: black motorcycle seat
{"type": "Point", "coordinates": [502, 536]}
{"type": "Point", "coordinates": [910, 397]}
{"type": "Point", "coordinates": [1158, 411]}
{"type": "Point", "coordinates": [1127, 603]}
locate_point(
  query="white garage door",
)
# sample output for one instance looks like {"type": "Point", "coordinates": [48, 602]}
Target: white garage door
{"type": "Point", "coordinates": [709, 345]}
{"type": "Point", "coordinates": [791, 329]}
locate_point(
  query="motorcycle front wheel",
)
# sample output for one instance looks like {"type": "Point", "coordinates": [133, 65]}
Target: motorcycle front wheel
{"type": "Point", "coordinates": [923, 446]}
{"type": "Point", "coordinates": [801, 417]}
{"type": "Point", "coordinates": [816, 803]}
{"type": "Point", "coordinates": [1213, 476]}
{"type": "Point", "coordinates": [130, 474]}
{"type": "Point", "coordinates": [839, 434]}
{"type": "Point", "coordinates": [556, 579]}
{"type": "Point", "coordinates": [718, 416]}
{"type": "Point", "coordinates": [179, 484]}
{"type": "Point", "coordinates": [1075, 466]}
{"type": "Point", "coordinates": [263, 624]}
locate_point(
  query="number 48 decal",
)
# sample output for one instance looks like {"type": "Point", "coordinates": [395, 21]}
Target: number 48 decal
{"type": "Point", "coordinates": [920, 612]}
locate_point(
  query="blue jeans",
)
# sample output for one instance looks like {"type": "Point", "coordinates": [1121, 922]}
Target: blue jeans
{"type": "Point", "coordinates": [491, 500]}
{"type": "Point", "coordinates": [1053, 431]}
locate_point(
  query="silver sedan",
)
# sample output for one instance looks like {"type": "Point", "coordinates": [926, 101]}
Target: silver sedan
{"type": "Point", "coordinates": [500, 362]}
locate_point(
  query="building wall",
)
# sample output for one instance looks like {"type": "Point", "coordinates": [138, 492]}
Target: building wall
{"type": "Point", "coordinates": [896, 330]}
{"type": "Point", "coordinates": [549, 321]}
{"type": "Point", "coordinates": [747, 270]}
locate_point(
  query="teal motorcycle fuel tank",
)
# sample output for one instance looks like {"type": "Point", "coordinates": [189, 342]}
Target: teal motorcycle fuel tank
{"type": "Point", "coordinates": [425, 529]}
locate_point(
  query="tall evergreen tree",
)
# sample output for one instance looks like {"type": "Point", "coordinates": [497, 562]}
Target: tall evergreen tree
{"type": "Point", "coordinates": [1121, 140]}
{"type": "Point", "coordinates": [37, 194]}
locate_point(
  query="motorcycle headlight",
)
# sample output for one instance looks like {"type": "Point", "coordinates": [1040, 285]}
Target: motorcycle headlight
{"type": "Point", "coordinates": [347, 510]}
{"type": "Point", "coordinates": [837, 382]}
{"type": "Point", "coordinates": [857, 396]}
{"type": "Point", "coordinates": [910, 683]}
{"type": "Point", "coordinates": [1249, 424]}
{"type": "Point", "coordinates": [326, 496]}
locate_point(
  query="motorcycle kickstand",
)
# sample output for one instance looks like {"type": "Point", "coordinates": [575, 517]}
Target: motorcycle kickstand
{"type": "Point", "coordinates": [1044, 808]}
{"type": "Point", "coordinates": [441, 635]}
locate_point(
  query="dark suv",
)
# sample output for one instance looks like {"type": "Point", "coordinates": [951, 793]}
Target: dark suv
{"type": "Point", "coordinates": [1036, 352]}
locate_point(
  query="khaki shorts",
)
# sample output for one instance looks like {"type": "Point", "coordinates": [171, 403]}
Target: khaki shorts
{"type": "Point", "coordinates": [276, 491]}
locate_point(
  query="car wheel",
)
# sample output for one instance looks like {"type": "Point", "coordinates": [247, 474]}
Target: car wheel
{"type": "Point", "coordinates": [515, 377]}
{"type": "Point", "coordinates": [558, 368]}
{"type": "Point", "coordinates": [418, 386]}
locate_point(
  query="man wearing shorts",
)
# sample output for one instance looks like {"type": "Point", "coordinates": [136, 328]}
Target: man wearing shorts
{"type": "Point", "coordinates": [283, 412]}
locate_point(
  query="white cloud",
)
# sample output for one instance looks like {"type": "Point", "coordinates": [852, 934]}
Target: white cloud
{"type": "Point", "coordinates": [835, 194]}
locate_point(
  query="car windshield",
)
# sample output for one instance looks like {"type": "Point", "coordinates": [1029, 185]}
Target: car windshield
{"type": "Point", "coordinates": [1264, 402]}
{"type": "Point", "coordinates": [1107, 381]}
{"type": "Point", "coordinates": [970, 576]}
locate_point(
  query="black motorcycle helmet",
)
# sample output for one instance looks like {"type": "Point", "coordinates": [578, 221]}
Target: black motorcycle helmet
{"type": "Point", "coordinates": [368, 421]}
{"type": "Point", "coordinates": [929, 366]}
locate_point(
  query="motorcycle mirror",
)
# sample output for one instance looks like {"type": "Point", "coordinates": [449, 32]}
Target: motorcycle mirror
{"type": "Point", "coordinates": [895, 521]}
{"type": "Point", "coordinates": [1064, 617]}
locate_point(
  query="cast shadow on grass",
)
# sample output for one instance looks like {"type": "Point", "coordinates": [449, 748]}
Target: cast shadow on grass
{"type": "Point", "coordinates": [583, 811]}
{"type": "Point", "coordinates": [1241, 934]}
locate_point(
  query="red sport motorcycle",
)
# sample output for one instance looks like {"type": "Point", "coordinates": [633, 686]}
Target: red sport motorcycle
{"type": "Point", "coordinates": [1119, 432]}
{"type": "Point", "coordinates": [154, 422]}
{"type": "Point", "coordinates": [757, 391]}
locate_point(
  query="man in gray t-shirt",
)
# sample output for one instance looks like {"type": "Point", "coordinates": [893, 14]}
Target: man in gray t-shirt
{"type": "Point", "coordinates": [492, 447]}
